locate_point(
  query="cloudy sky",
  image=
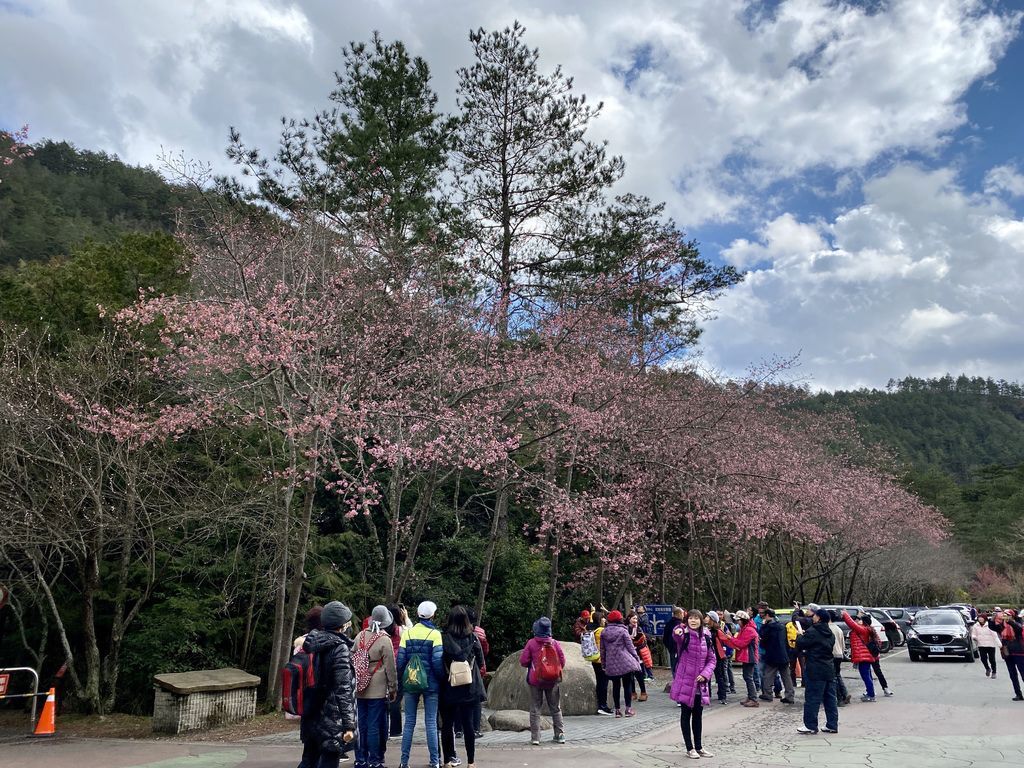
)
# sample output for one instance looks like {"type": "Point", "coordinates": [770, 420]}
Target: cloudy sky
{"type": "Point", "coordinates": [863, 161]}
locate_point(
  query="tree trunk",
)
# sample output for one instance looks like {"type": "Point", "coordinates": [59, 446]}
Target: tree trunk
{"type": "Point", "coordinates": [497, 526]}
{"type": "Point", "coordinates": [424, 504]}
{"type": "Point", "coordinates": [394, 498]}
{"type": "Point", "coordinates": [279, 640]}
{"type": "Point", "coordinates": [599, 583]}
{"type": "Point", "coordinates": [90, 589]}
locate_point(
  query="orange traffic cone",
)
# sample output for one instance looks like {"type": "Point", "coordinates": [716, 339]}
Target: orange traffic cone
{"type": "Point", "coordinates": [47, 725]}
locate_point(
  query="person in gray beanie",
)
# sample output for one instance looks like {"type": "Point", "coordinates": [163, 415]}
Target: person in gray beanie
{"type": "Point", "coordinates": [376, 686]}
{"type": "Point", "coordinates": [330, 725]}
{"type": "Point", "coordinates": [544, 661]}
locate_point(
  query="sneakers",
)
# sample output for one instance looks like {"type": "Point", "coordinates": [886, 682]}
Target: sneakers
{"type": "Point", "coordinates": [560, 738]}
{"type": "Point", "coordinates": [887, 692]}
{"type": "Point", "coordinates": [705, 753]}
{"type": "Point", "coordinates": [722, 701]}
{"type": "Point", "coordinates": [630, 712]}
{"type": "Point", "coordinates": [749, 703]}
{"type": "Point", "coordinates": [987, 673]}
{"type": "Point", "coordinates": [762, 697]}
{"type": "Point", "coordinates": [618, 713]}
{"type": "Point", "coordinates": [865, 697]}
{"type": "Point", "coordinates": [1017, 698]}
{"type": "Point", "coordinates": [455, 762]}
{"type": "Point", "coordinates": [788, 701]}
{"type": "Point", "coordinates": [604, 711]}
{"type": "Point", "coordinates": [732, 690]}
{"type": "Point", "coordinates": [693, 754]}
{"type": "Point", "coordinates": [535, 742]}
{"type": "Point", "coordinates": [830, 730]}
{"type": "Point", "coordinates": [805, 730]}
{"type": "Point", "coordinates": [479, 734]}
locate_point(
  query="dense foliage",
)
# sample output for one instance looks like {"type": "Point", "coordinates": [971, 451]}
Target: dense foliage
{"type": "Point", "coordinates": [391, 387]}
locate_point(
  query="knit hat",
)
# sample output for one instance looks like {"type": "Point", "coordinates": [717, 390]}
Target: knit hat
{"type": "Point", "coordinates": [713, 615]}
{"type": "Point", "coordinates": [335, 615]}
{"type": "Point", "coordinates": [615, 616]}
{"type": "Point", "coordinates": [426, 610]}
{"type": "Point", "coordinates": [823, 616]}
{"type": "Point", "coordinates": [741, 615]}
{"type": "Point", "coordinates": [542, 627]}
{"type": "Point", "coordinates": [584, 614]}
{"type": "Point", "coordinates": [381, 618]}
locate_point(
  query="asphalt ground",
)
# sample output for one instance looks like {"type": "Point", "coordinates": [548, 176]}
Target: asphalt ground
{"type": "Point", "coordinates": [944, 714]}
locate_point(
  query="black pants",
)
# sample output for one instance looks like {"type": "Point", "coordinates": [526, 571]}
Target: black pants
{"type": "Point", "coordinates": [691, 718]}
{"type": "Point", "coordinates": [1013, 665]}
{"type": "Point", "coordinates": [875, 665]}
{"type": "Point", "coordinates": [458, 717]}
{"type": "Point", "coordinates": [640, 678]}
{"type": "Point", "coordinates": [395, 716]}
{"type": "Point", "coordinates": [602, 685]}
{"type": "Point", "coordinates": [988, 658]}
{"type": "Point", "coordinates": [622, 687]}
{"type": "Point", "coordinates": [721, 679]}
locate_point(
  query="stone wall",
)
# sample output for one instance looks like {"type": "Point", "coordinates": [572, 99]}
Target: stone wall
{"type": "Point", "coordinates": [174, 713]}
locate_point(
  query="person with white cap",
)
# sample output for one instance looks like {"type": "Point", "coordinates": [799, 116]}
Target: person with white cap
{"type": "Point", "coordinates": [421, 669]}
{"type": "Point", "coordinates": [376, 685]}
{"type": "Point", "coordinates": [328, 728]}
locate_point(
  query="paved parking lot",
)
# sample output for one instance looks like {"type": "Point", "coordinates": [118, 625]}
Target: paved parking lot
{"type": "Point", "coordinates": [945, 714]}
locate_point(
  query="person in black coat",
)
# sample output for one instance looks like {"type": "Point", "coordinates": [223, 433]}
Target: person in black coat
{"type": "Point", "coordinates": [775, 656]}
{"type": "Point", "coordinates": [816, 646]}
{"type": "Point", "coordinates": [459, 703]}
{"type": "Point", "coordinates": [329, 717]}
{"type": "Point", "coordinates": [667, 639]}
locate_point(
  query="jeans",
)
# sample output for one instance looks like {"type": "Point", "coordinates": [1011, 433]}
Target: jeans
{"type": "Point", "coordinates": [691, 718]}
{"type": "Point", "coordinates": [457, 717]}
{"type": "Point", "coordinates": [988, 659]}
{"type": "Point", "coordinates": [602, 685]}
{"type": "Point", "coordinates": [410, 701]}
{"type": "Point", "coordinates": [816, 693]}
{"type": "Point", "coordinates": [864, 668]}
{"type": "Point", "coordinates": [1015, 664]}
{"type": "Point", "coordinates": [721, 679]}
{"type": "Point", "coordinates": [757, 675]}
{"type": "Point", "coordinates": [372, 721]}
{"type": "Point", "coordinates": [748, 679]}
{"type": "Point", "coordinates": [841, 692]}
{"type": "Point", "coordinates": [553, 697]}
{"type": "Point", "coordinates": [771, 673]}
{"type": "Point", "coordinates": [673, 659]}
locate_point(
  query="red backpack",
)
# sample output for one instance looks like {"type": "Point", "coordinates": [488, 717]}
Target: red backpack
{"type": "Point", "coordinates": [297, 677]}
{"type": "Point", "coordinates": [549, 670]}
{"type": "Point", "coordinates": [361, 661]}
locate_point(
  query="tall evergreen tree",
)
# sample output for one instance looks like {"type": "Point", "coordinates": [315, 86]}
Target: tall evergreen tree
{"type": "Point", "coordinates": [373, 160]}
{"type": "Point", "coordinates": [524, 170]}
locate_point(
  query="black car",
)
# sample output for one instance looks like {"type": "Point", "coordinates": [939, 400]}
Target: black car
{"type": "Point", "coordinates": [902, 617]}
{"type": "Point", "coordinates": [836, 614]}
{"type": "Point", "coordinates": [939, 632]}
{"type": "Point", "coordinates": [893, 632]}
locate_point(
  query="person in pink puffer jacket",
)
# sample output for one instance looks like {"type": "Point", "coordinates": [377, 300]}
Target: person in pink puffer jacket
{"type": "Point", "coordinates": [690, 686]}
{"type": "Point", "coordinates": [745, 645]}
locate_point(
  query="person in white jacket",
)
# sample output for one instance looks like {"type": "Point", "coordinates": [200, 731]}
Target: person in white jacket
{"type": "Point", "coordinates": [838, 654]}
{"type": "Point", "coordinates": [986, 640]}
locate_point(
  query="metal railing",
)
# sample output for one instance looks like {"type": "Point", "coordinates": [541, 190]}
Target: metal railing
{"type": "Point", "coordinates": [34, 695]}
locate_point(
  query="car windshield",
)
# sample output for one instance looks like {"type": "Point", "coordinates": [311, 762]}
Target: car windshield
{"type": "Point", "coordinates": [937, 618]}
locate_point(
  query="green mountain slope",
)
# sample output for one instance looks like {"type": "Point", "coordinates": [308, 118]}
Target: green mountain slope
{"type": "Point", "coordinates": [62, 196]}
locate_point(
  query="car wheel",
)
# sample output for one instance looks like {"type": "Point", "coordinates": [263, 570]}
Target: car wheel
{"type": "Point", "coordinates": [915, 657]}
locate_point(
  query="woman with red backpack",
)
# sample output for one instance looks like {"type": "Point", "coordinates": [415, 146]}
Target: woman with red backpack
{"type": "Point", "coordinates": [1011, 634]}
{"type": "Point", "coordinates": [864, 653]}
{"type": "Point", "coordinates": [745, 645]}
{"type": "Point", "coordinates": [544, 661]}
{"type": "Point", "coordinates": [373, 659]}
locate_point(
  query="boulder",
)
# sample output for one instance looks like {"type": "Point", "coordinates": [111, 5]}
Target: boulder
{"type": "Point", "coordinates": [515, 720]}
{"type": "Point", "coordinates": [508, 689]}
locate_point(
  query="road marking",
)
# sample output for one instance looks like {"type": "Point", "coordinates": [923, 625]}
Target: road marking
{"type": "Point", "coordinates": [219, 759]}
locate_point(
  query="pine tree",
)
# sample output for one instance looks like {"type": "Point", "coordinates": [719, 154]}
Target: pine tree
{"type": "Point", "coordinates": [524, 170]}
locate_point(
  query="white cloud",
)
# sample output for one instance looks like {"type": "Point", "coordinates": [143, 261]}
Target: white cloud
{"type": "Point", "coordinates": [1005, 178]}
{"type": "Point", "coordinates": [718, 101]}
{"type": "Point", "coordinates": [923, 278]}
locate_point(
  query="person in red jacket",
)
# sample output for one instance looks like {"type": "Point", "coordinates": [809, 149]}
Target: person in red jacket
{"type": "Point", "coordinates": [861, 634]}
{"type": "Point", "coordinates": [745, 644]}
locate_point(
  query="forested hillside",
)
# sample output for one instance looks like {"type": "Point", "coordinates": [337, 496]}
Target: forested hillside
{"type": "Point", "coordinates": [962, 442]}
{"type": "Point", "coordinates": [60, 196]}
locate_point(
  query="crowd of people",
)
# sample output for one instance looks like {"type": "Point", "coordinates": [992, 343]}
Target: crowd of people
{"type": "Point", "coordinates": [369, 687]}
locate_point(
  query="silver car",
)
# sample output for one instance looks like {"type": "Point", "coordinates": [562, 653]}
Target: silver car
{"type": "Point", "coordinates": [939, 632]}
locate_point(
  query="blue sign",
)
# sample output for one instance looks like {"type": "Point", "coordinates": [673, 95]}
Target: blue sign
{"type": "Point", "coordinates": [659, 614]}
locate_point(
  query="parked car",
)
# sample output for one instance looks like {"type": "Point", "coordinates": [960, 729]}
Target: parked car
{"type": "Point", "coordinates": [892, 630]}
{"type": "Point", "coordinates": [836, 613]}
{"type": "Point", "coordinates": [965, 611]}
{"type": "Point", "coordinates": [902, 617]}
{"type": "Point", "coordinates": [940, 632]}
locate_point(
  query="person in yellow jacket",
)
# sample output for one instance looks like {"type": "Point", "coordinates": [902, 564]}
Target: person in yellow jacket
{"type": "Point", "coordinates": [792, 630]}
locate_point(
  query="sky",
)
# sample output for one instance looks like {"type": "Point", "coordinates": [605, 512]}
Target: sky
{"type": "Point", "coordinates": [861, 161]}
